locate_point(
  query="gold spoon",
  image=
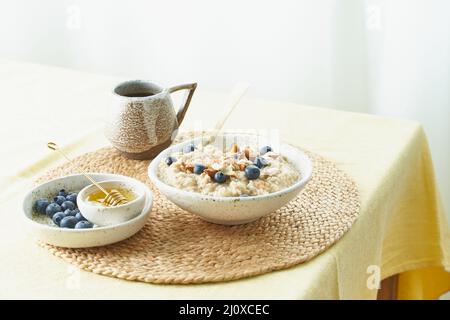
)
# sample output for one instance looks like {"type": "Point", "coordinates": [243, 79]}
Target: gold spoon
{"type": "Point", "coordinates": [113, 198]}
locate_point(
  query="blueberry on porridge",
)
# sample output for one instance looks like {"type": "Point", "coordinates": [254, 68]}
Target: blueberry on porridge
{"type": "Point", "coordinates": [234, 173]}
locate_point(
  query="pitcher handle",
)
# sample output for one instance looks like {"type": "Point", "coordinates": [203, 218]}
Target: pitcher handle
{"type": "Point", "coordinates": [187, 100]}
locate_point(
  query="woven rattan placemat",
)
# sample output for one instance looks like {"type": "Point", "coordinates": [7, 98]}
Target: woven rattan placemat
{"type": "Point", "coordinates": [178, 247]}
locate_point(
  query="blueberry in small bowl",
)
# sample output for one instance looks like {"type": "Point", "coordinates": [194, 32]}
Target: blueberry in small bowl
{"type": "Point", "coordinates": [80, 217]}
{"type": "Point", "coordinates": [59, 199]}
{"type": "Point", "coordinates": [41, 205]}
{"type": "Point", "coordinates": [68, 205]}
{"type": "Point", "coordinates": [84, 224]}
{"type": "Point", "coordinates": [68, 222]}
{"type": "Point", "coordinates": [57, 217]}
{"type": "Point", "coordinates": [69, 212]}
{"type": "Point", "coordinates": [52, 208]}
{"type": "Point", "coordinates": [72, 197]}
{"type": "Point", "coordinates": [46, 230]}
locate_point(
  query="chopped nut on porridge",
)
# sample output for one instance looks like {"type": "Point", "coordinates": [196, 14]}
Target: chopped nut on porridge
{"type": "Point", "coordinates": [238, 172]}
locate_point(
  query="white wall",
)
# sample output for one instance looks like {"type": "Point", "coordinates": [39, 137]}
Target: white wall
{"type": "Point", "coordinates": [410, 72]}
{"type": "Point", "coordinates": [388, 57]}
{"type": "Point", "coordinates": [294, 50]}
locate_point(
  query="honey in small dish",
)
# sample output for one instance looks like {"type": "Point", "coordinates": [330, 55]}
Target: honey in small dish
{"type": "Point", "coordinates": [98, 197]}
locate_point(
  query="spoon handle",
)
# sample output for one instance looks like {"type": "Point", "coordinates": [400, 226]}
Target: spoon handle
{"type": "Point", "coordinates": [53, 146]}
{"type": "Point", "coordinates": [235, 97]}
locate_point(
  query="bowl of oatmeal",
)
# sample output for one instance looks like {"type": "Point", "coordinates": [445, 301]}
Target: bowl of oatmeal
{"type": "Point", "coordinates": [236, 179]}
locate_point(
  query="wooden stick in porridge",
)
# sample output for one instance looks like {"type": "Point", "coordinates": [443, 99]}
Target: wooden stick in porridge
{"type": "Point", "coordinates": [235, 97]}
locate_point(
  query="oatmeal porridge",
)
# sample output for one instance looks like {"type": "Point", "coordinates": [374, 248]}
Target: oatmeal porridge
{"type": "Point", "coordinates": [233, 173]}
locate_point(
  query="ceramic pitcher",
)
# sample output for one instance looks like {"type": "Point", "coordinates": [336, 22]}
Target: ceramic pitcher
{"type": "Point", "coordinates": [143, 121]}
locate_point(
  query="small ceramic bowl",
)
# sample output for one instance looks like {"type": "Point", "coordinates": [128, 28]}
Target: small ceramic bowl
{"type": "Point", "coordinates": [234, 210]}
{"type": "Point", "coordinates": [110, 215]}
{"type": "Point", "coordinates": [41, 228]}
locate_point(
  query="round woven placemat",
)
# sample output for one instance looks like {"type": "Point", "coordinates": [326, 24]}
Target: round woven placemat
{"type": "Point", "coordinates": [178, 247]}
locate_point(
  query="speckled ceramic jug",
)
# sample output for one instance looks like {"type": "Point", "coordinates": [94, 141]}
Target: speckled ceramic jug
{"type": "Point", "coordinates": [143, 121]}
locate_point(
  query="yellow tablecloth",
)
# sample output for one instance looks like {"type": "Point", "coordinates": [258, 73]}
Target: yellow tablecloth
{"type": "Point", "coordinates": [402, 227]}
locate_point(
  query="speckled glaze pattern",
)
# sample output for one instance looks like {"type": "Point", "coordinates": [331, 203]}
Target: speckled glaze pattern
{"type": "Point", "coordinates": [112, 215]}
{"type": "Point", "coordinates": [45, 231]}
{"type": "Point", "coordinates": [234, 210]}
{"type": "Point", "coordinates": [138, 124]}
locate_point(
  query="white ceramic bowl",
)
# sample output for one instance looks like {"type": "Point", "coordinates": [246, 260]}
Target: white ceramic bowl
{"type": "Point", "coordinates": [111, 215]}
{"type": "Point", "coordinates": [80, 238]}
{"type": "Point", "coordinates": [234, 210]}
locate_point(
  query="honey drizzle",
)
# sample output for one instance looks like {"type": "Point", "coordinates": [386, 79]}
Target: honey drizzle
{"type": "Point", "coordinates": [99, 197]}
